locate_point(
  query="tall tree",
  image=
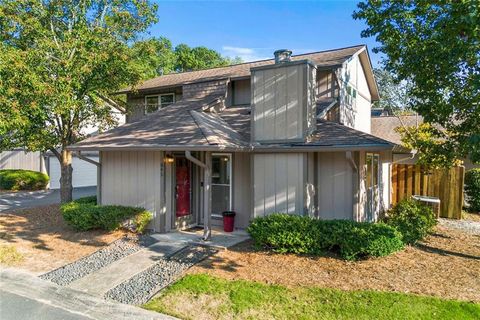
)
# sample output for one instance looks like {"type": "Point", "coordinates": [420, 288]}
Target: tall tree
{"type": "Point", "coordinates": [393, 93]}
{"type": "Point", "coordinates": [59, 60]}
{"type": "Point", "coordinates": [436, 46]}
{"type": "Point", "coordinates": [190, 59]}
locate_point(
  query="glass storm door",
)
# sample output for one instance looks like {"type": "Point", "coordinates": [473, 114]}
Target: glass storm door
{"type": "Point", "coordinates": [182, 187]}
{"type": "Point", "coordinates": [221, 183]}
{"type": "Point", "coordinates": [372, 177]}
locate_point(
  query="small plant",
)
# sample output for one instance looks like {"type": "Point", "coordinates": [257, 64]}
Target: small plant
{"type": "Point", "coordinates": [413, 219]}
{"type": "Point", "coordinates": [12, 179]}
{"type": "Point", "coordinates": [472, 189]}
{"type": "Point", "coordinates": [84, 214]}
{"type": "Point", "coordinates": [9, 255]}
{"type": "Point", "coordinates": [352, 240]}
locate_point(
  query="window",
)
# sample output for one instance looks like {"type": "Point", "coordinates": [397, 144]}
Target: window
{"type": "Point", "coordinates": [221, 183]}
{"type": "Point", "coordinates": [372, 160]}
{"type": "Point", "coordinates": [153, 103]}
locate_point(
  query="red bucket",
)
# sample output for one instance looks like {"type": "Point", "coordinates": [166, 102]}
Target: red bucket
{"type": "Point", "coordinates": [228, 221]}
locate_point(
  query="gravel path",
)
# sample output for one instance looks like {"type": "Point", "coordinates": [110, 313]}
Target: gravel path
{"type": "Point", "coordinates": [140, 288]}
{"type": "Point", "coordinates": [468, 226]}
{"type": "Point", "coordinates": [99, 259]}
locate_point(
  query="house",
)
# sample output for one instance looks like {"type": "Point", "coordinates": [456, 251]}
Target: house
{"type": "Point", "coordinates": [384, 127]}
{"type": "Point", "coordinates": [84, 173]}
{"type": "Point", "coordinates": [290, 134]}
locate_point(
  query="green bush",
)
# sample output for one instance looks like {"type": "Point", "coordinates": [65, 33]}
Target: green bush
{"type": "Point", "coordinates": [22, 180]}
{"type": "Point", "coordinates": [472, 189]}
{"type": "Point", "coordinates": [84, 214]}
{"type": "Point", "coordinates": [303, 235]}
{"type": "Point", "coordinates": [413, 219]}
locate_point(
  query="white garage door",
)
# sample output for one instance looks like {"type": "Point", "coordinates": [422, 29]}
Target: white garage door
{"type": "Point", "coordinates": [84, 173]}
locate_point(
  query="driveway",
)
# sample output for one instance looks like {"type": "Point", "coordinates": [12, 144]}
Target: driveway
{"type": "Point", "coordinates": [23, 296]}
{"type": "Point", "coordinates": [22, 200]}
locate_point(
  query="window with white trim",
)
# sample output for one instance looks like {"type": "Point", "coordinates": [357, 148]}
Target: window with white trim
{"type": "Point", "coordinates": [155, 102]}
{"type": "Point", "coordinates": [221, 183]}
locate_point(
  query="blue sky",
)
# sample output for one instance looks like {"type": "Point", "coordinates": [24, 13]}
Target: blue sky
{"type": "Point", "coordinates": [254, 29]}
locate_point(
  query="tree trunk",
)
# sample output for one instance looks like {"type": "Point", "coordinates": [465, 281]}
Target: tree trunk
{"type": "Point", "coordinates": [66, 176]}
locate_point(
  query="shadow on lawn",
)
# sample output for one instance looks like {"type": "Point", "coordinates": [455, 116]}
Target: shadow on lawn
{"type": "Point", "coordinates": [33, 224]}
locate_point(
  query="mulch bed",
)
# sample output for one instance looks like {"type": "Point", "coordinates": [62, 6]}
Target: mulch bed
{"type": "Point", "coordinates": [46, 241]}
{"type": "Point", "coordinates": [446, 264]}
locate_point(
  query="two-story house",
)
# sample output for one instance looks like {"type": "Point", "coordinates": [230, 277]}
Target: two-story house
{"type": "Point", "coordinates": [289, 134]}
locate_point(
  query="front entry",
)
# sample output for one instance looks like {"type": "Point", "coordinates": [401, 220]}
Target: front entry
{"type": "Point", "coordinates": [183, 193]}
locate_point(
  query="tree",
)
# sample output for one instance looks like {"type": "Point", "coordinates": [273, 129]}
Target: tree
{"type": "Point", "coordinates": [59, 60]}
{"type": "Point", "coordinates": [393, 93]}
{"type": "Point", "coordinates": [435, 45]}
{"type": "Point", "coordinates": [190, 59]}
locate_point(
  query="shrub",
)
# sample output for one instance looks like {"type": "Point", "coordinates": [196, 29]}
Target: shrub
{"type": "Point", "coordinates": [84, 214]}
{"type": "Point", "coordinates": [298, 234]}
{"type": "Point", "coordinates": [413, 219]}
{"type": "Point", "coordinates": [23, 180]}
{"type": "Point", "coordinates": [472, 189]}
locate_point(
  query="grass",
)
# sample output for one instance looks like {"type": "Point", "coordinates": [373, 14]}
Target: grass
{"type": "Point", "coordinates": [9, 255]}
{"type": "Point", "coordinates": [202, 296]}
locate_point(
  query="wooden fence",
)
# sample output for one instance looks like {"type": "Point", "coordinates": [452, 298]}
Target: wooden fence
{"type": "Point", "coordinates": [445, 184]}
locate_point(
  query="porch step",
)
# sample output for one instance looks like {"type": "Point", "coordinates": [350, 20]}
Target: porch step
{"type": "Point", "coordinates": [104, 279]}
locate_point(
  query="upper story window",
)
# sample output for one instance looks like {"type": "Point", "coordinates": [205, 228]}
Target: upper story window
{"type": "Point", "coordinates": [155, 102]}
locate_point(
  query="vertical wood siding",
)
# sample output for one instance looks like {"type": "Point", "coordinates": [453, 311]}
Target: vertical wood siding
{"type": "Point", "coordinates": [242, 189]}
{"type": "Point", "coordinates": [279, 183]}
{"type": "Point", "coordinates": [335, 186]}
{"type": "Point", "coordinates": [134, 179]}
{"type": "Point", "coordinates": [283, 102]}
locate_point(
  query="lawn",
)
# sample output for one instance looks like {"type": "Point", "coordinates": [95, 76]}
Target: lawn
{"type": "Point", "coordinates": [202, 296]}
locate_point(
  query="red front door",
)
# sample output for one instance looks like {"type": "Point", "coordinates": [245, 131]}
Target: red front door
{"type": "Point", "coordinates": [182, 188]}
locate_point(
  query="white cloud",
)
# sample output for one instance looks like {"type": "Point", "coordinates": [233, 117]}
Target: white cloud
{"type": "Point", "coordinates": [246, 54]}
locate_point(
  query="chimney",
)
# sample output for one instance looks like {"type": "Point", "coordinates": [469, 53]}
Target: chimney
{"type": "Point", "coordinates": [282, 55]}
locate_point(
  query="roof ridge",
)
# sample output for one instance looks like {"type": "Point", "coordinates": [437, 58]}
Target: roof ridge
{"type": "Point", "coordinates": [255, 61]}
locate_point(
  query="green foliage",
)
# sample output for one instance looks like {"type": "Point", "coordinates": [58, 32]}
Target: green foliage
{"type": "Point", "coordinates": [393, 93]}
{"type": "Point", "coordinates": [13, 179]}
{"type": "Point", "coordinates": [241, 299]}
{"type": "Point", "coordinates": [434, 45]}
{"type": "Point", "coordinates": [472, 189]}
{"type": "Point", "coordinates": [284, 233]}
{"type": "Point", "coordinates": [84, 214]}
{"type": "Point", "coordinates": [413, 219]}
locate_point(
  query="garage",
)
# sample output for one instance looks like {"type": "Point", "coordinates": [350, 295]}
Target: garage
{"type": "Point", "coordinates": [84, 173]}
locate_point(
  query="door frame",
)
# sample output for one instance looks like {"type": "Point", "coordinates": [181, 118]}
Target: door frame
{"type": "Point", "coordinates": [230, 159]}
{"type": "Point", "coordinates": [186, 222]}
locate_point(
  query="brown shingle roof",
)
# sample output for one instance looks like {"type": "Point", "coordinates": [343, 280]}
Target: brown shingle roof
{"type": "Point", "coordinates": [327, 58]}
{"type": "Point", "coordinates": [384, 127]}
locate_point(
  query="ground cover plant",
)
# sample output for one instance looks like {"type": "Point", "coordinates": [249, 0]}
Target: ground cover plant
{"type": "Point", "coordinates": [85, 214]}
{"type": "Point", "coordinates": [17, 179]}
{"type": "Point", "coordinates": [205, 297]}
{"type": "Point", "coordinates": [352, 240]}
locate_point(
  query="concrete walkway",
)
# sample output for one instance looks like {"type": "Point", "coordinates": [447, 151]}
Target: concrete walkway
{"type": "Point", "coordinates": [24, 296]}
{"type": "Point", "coordinates": [29, 199]}
{"type": "Point", "coordinates": [121, 271]}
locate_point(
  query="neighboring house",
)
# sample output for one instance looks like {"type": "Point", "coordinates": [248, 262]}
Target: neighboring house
{"type": "Point", "coordinates": [384, 127]}
{"type": "Point", "coordinates": [286, 135]}
{"type": "Point", "coordinates": [84, 174]}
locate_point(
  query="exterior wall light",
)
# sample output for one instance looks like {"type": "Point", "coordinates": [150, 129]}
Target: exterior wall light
{"type": "Point", "coordinates": [168, 159]}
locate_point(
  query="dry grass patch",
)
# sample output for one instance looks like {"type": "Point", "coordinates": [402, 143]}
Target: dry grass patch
{"type": "Point", "coordinates": [445, 265]}
{"type": "Point", "coordinates": [9, 255]}
{"type": "Point", "coordinates": [46, 241]}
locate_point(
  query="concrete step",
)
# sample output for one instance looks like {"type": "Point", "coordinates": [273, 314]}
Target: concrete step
{"type": "Point", "coordinates": [110, 276]}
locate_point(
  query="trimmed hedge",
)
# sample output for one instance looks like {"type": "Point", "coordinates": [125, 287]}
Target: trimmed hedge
{"type": "Point", "coordinates": [472, 189]}
{"type": "Point", "coordinates": [303, 235]}
{"type": "Point", "coordinates": [13, 179]}
{"type": "Point", "coordinates": [84, 214]}
{"type": "Point", "coordinates": [413, 219]}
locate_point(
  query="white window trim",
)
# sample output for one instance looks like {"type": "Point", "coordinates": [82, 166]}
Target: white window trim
{"type": "Point", "coordinates": [229, 155]}
{"type": "Point", "coordinates": [158, 96]}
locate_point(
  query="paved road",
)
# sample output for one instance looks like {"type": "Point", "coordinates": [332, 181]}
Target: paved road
{"type": "Point", "coordinates": [21, 200]}
{"type": "Point", "coordinates": [24, 296]}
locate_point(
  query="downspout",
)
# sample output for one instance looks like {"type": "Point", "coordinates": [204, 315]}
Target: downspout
{"type": "Point", "coordinates": [356, 205]}
{"type": "Point", "coordinates": [207, 222]}
{"type": "Point", "coordinates": [99, 174]}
